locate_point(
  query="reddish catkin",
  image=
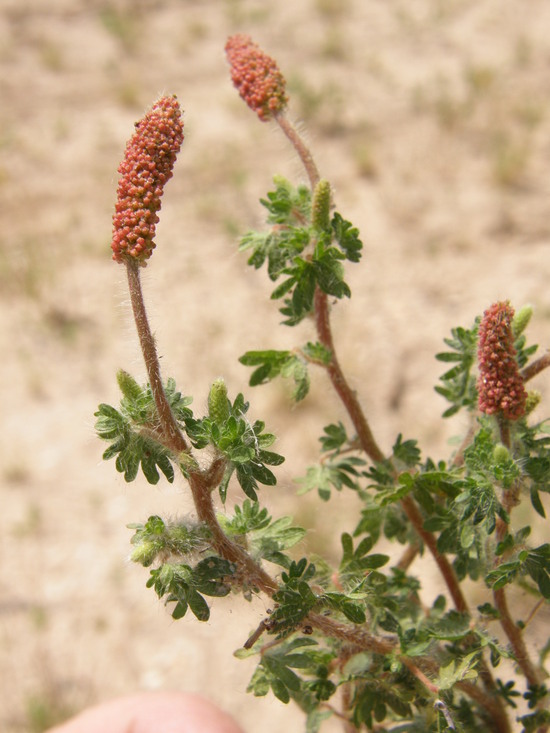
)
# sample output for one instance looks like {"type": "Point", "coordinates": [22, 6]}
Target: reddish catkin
{"type": "Point", "coordinates": [147, 165]}
{"type": "Point", "coordinates": [500, 385]}
{"type": "Point", "coordinates": [256, 76]}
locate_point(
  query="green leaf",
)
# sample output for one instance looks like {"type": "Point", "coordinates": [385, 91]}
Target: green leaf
{"type": "Point", "coordinates": [458, 385]}
{"type": "Point", "coordinates": [198, 605]}
{"type": "Point", "coordinates": [288, 204]}
{"type": "Point", "coordinates": [247, 482]}
{"type": "Point", "coordinates": [458, 671]}
{"type": "Point", "coordinates": [275, 363]}
{"type": "Point", "coordinates": [317, 353]}
{"type": "Point", "coordinates": [334, 439]}
{"type": "Point", "coordinates": [336, 473]}
{"type": "Point", "coordinates": [347, 237]}
{"type": "Point", "coordinates": [130, 443]}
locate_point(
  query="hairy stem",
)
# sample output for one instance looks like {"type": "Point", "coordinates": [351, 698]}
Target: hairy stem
{"type": "Point", "coordinates": [371, 448]}
{"type": "Point", "coordinates": [301, 148]}
{"type": "Point", "coordinates": [252, 573]}
{"type": "Point", "coordinates": [515, 637]}
{"type": "Point", "coordinates": [536, 367]}
{"type": "Point", "coordinates": [415, 518]}
{"type": "Point", "coordinates": [511, 629]}
{"type": "Point", "coordinates": [171, 436]}
{"type": "Point", "coordinates": [169, 428]}
{"type": "Point", "coordinates": [351, 634]}
{"type": "Point", "coordinates": [339, 382]}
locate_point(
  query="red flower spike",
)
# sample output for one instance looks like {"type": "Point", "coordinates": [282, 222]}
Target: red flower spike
{"type": "Point", "coordinates": [500, 385]}
{"type": "Point", "coordinates": [256, 76]}
{"type": "Point", "coordinates": [147, 165]}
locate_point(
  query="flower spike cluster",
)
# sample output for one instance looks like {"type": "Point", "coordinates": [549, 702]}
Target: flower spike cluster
{"type": "Point", "coordinates": [256, 76]}
{"type": "Point", "coordinates": [147, 165]}
{"type": "Point", "coordinates": [500, 385]}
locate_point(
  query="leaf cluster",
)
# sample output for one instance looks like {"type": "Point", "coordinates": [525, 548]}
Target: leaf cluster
{"type": "Point", "coordinates": [186, 585]}
{"type": "Point", "coordinates": [265, 538]}
{"type": "Point", "coordinates": [293, 248]}
{"type": "Point", "coordinates": [131, 430]}
{"type": "Point", "coordinates": [242, 443]}
{"type": "Point", "coordinates": [135, 439]}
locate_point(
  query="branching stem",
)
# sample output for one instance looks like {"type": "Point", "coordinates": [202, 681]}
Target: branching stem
{"type": "Point", "coordinates": [171, 436]}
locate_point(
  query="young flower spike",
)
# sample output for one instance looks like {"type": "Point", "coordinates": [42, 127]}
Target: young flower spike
{"type": "Point", "coordinates": [500, 385]}
{"type": "Point", "coordinates": [147, 165]}
{"type": "Point", "coordinates": [256, 76]}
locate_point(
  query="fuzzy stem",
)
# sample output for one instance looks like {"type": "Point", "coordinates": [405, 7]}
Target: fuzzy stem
{"type": "Point", "coordinates": [498, 720]}
{"type": "Point", "coordinates": [515, 638]}
{"type": "Point", "coordinates": [301, 148]}
{"type": "Point", "coordinates": [510, 628]}
{"type": "Point", "coordinates": [419, 674]}
{"type": "Point", "coordinates": [445, 568]}
{"type": "Point", "coordinates": [504, 430]}
{"type": "Point", "coordinates": [347, 725]}
{"type": "Point", "coordinates": [536, 367]}
{"type": "Point", "coordinates": [408, 557]}
{"type": "Point", "coordinates": [172, 435]}
{"type": "Point", "coordinates": [249, 569]}
{"type": "Point", "coordinates": [339, 382]}
{"type": "Point", "coordinates": [451, 581]}
{"type": "Point", "coordinates": [369, 445]}
{"type": "Point", "coordinates": [357, 636]}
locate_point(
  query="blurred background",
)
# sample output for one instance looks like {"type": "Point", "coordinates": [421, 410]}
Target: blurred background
{"type": "Point", "coordinates": [431, 120]}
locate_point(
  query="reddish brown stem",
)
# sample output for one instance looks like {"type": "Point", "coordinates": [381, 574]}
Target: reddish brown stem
{"type": "Point", "coordinates": [301, 148]}
{"type": "Point", "coordinates": [445, 568]}
{"type": "Point", "coordinates": [339, 382]}
{"type": "Point", "coordinates": [419, 674]}
{"type": "Point", "coordinates": [251, 572]}
{"type": "Point", "coordinates": [536, 367]}
{"type": "Point", "coordinates": [408, 557]}
{"type": "Point", "coordinates": [356, 636]}
{"type": "Point", "coordinates": [369, 445]}
{"type": "Point", "coordinates": [168, 425]}
{"type": "Point", "coordinates": [513, 632]}
{"type": "Point", "coordinates": [510, 499]}
{"type": "Point", "coordinates": [171, 436]}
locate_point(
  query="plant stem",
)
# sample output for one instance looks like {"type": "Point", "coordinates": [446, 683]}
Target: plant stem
{"type": "Point", "coordinates": [339, 382]}
{"type": "Point", "coordinates": [171, 433]}
{"type": "Point", "coordinates": [413, 514]}
{"type": "Point", "coordinates": [510, 628]}
{"type": "Point", "coordinates": [371, 448]}
{"type": "Point", "coordinates": [301, 148]}
{"type": "Point", "coordinates": [249, 570]}
{"type": "Point", "coordinates": [369, 445]}
{"type": "Point", "coordinates": [408, 557]}
{"type": "Point", "coordinates": [354, 635]}
{"type": "Point", "coordinates": [536, 367]}
{"type": "Point", "coordinates": [515, 637]}
{"type": "Point", "coordinates": [171, 436]}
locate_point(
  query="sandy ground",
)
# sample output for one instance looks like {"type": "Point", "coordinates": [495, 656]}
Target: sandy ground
{"type": "Point", "coordinates": [431, 119]}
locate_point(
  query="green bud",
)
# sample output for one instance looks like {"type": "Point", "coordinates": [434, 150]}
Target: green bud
{"type": "Point", "coordinates": [501, 454]}
{"type": "Point", "coordinates": [128, 385]}
{"type": "Point", "coordinates": [218, 404]}
{"type": "Point", "coordinates": [521, 319]}
{"type": "Point", "coordinates": [166, 575]}
{"type": "Point", "coordinates": [532, 402]}
{"type": "Point", "coordinates": [320, 207]}
{"type": "Point", "coordinates": [145, 553]}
